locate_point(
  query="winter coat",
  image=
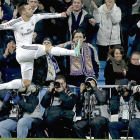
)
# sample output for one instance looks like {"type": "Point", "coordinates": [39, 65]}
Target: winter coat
{"type": "Point", "coordinates": [109, 30]}
{"type": "Point", "coordinates": [9, 67]}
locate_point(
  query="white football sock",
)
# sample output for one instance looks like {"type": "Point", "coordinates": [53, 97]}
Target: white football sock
{"type": "Point", "coordinates": [14, 84]}
{"type": "Point", "coordinates": [58, 51]}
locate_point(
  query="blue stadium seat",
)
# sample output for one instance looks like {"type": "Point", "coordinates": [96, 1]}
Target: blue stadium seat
{"type": "Point", "coordinates": [101, 79]}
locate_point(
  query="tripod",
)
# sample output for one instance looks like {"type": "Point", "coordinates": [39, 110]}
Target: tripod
{"type": "Point", "coordinates": [131, 113]}
{"type": "Point", "coordinates": [89, 109]}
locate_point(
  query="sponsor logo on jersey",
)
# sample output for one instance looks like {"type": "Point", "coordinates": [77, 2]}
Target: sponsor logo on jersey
{"type": "Point", "coordinates": [29, 31]}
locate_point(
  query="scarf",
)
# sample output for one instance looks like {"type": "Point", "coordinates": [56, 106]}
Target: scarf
{"type": "Point", "coordinates": [53, 67]}
{"type": "Point", "coordinates": [118, 66]}
{"type": "Point", "coordinates": [83, 64]}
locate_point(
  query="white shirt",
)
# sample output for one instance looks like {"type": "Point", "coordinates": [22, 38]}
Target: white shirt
{"type": "Point", "coordinates": [23, 31]}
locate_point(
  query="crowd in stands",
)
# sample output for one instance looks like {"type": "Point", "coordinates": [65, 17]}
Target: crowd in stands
{"type": "Point", "coordinates": [50, 106]}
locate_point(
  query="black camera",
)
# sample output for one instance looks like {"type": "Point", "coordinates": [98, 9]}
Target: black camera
{"type": "Point", "coordinates": [121, 89]}
{"type": "Point", "coordinates": [13, 94]}
{"type": "Point", "coordinates": [57, 85]}
{"type": "Point", "coordinates": [88, 85]}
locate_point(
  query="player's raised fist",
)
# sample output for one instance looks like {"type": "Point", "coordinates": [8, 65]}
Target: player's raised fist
{"type": "Point", "coordinates": [63, 14]}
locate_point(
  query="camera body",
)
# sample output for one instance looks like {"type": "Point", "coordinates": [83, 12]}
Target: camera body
{"type": "Point", "coordinates": [57, 85]}
{"type": "Point", "coordinates": [13, 94]}
{"type": "Point", "coordinates": [121, 89]}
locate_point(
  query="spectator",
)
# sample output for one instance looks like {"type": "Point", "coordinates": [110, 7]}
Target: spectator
{"type": "Point", "coordinates": [9, 66]}
{"type": "Point", "coordinates": [116, 67]}
{"type": "Point", "coordinates": [98, 110]}
{"type": "Point", "coordinates": [79, 18]}
{"type": "Point", "coordinates": [59, 104]}
{"type": "Point", "coordinates": [135, 30]}
{"type": "Point", "coordinates": [42, 27]}
{"type": "Point", "coordinates": [133, 73]}
{"type": "Point", "coordinates": [45, 70]}
{"type": "Point", "coordinates": [123, 102]}
{"type": "Point", "coordinates": [126, 9]}
{"type": "Point", "coordinates": [23, 109]}
{"type": "Point", "coordinates": [108, 16]}
{"type": "Point", "coordinates": [76, 69]}
{"type": "Point", "coordinates": [5, 16]}
{"type": "Point", "coordinates": [3, 113]}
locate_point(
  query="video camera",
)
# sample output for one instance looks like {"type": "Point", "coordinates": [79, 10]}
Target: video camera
{"type": "Point", "coordinates": [133, 87]}
{"type": "Point", "coordinates": [34, 90]}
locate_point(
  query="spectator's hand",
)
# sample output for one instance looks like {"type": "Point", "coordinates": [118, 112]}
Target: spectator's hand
{"type": "Point", "coordinates": [53, 21]}
{"type": "Point", "coordinates": [92, 21]}
{"type": "Point", "coordinates": [15, 13]}
{"type": "Point", "coordinates": [94, 5]}
{"type": "Point", "coordinates": [63, 14]}
{"type": "Point", "coordinates": [34, 36]}
{"type": "Point", "coordinates": [7, 96]}
{"type": "Point", "coordinates": [52, 10]}
{"type": "Point", "coordinates": [1, 13]}
{"type": "Point", "coordinates": [69, 10]}
{"type": "Point", "coordinates": [51, 87]}
{"type": "Point", "coordinates": [61, 45]}
{"type": "Point", "coordinates": [15, 100]}
{"type": "Point", "coordinates": [6, 52]}
{"type": "Point", "coordinates": [82, 87]}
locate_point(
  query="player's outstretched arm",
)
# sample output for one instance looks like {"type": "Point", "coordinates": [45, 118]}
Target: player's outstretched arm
{"type": "Point", "coordinates": [49, 15]}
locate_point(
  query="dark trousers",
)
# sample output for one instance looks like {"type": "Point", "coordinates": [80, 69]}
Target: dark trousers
{"type": "Point", "coordinates": [98, 127]}
{"type": "Point", "coordinates": [103, 52]}
{"type": "Point", "coordinates": [115, 127]}
{"type": "Point", "coordinates": [38, 127]}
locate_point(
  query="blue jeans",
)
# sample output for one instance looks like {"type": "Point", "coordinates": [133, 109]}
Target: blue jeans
{"type": "Point", "coordinates": [115, 127]}
{"type": "Point", "coordinates": [42, 92]}
{"type": "Point", "coordinates": [22, 127]}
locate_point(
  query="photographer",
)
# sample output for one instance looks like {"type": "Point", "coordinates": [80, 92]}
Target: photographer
{"type": "Point", "coordinates": [23, 108]}
{"type": "Point", "coordinates": [94, 102]}
{"type": "Point", "coordinates": [125, 101]}
{"type": "Point", "coordinates": [59, 103]}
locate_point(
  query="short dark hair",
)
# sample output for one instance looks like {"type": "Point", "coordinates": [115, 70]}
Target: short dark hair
{"type": "Point", "coordinates": [137, 53]}
{"type": "Point", "coordinates": [80, 0]}
{"type": "Point", "coordinates": [21, 7]}
{"type": "Point", "coordinates": [79, 31]}
{"type": "Point", "coordinates": [60, 77]}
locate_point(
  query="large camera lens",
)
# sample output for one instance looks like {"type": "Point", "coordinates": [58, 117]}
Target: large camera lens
{"type": "Point", "coordinates": [13, 94]}
{"type": "Point", "coordinates": [56, 84]}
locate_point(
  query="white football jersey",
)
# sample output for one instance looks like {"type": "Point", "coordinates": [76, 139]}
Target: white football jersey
{"type": "Point", "coordinates": [23, 31]}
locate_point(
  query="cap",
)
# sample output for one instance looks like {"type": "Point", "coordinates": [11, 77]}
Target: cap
{"type": "Point", "coordinates": [90, 78]}
{"type": "Point", "coordinates": [48, 38]}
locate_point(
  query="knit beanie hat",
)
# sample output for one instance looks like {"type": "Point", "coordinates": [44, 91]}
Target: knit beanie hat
{"type": "Point", "coordinates": [48, 38]}
{"type": "Point", "coordinates": [10, 39]}
{"type": "Point", "coordinates": [91, 77]}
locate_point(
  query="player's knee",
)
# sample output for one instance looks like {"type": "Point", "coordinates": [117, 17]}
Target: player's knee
{"type": "Point", "coordinates": [27, 83]}
{"type": "Point", "coordinates": [48, 48]}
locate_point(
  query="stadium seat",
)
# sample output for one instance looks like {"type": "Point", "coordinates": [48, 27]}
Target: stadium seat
{"type": "Point", "coordinates": [101, 79]}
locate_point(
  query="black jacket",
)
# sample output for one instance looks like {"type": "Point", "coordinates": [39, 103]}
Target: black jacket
{"type": "Point", "coordinates": [28, 106]}
{"type": "Point", "coordinates": [9, 67]}
{"type": "Point", "coordinates": [68, 100]}
{"type": "Point", "coordinates": [40, 71]}
{"type": "Point", "coordinates": [114, 103]}
{"type": "Point", "coordinates": [135, 30]}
